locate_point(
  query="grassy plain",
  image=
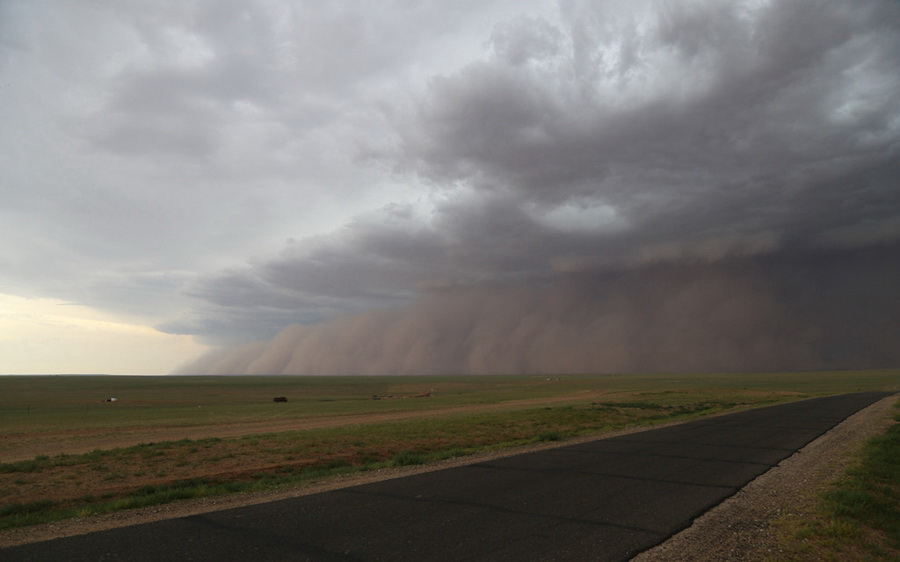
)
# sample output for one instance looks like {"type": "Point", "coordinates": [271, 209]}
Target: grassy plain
{"type": "Point", "coordinates": [34, 404]}
{"type": "Point", "coordinates": [65, 451]}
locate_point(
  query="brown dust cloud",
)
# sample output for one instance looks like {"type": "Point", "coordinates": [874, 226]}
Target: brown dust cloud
{"type": "Point", "coordinates": [841, 311]}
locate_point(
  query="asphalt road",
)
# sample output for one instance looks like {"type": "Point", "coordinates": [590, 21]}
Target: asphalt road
{"type": "Point", "coordinates": [604, 500]}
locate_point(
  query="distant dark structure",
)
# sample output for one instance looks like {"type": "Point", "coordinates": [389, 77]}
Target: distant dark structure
{"type": "Point", "coordinates": [280, 399]}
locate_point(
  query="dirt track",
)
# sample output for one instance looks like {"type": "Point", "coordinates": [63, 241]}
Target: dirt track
{"type": "Point", "coordinates": [29, 445]}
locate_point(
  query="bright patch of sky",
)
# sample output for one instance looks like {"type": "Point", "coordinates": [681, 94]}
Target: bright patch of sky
{"type": "Point", "coordinates": [46, 336]}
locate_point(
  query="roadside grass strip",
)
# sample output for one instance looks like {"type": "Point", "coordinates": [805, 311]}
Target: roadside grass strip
{"type": "Point", "coordinates": [46, 489]}
{"type": "Point", "coordinates": [858, 517]}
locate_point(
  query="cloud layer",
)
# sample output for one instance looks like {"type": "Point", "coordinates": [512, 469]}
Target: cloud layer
{"type": "Point", "coordinates": [575, 186]}
{"type": "Point", "coordinates": [640, 188]}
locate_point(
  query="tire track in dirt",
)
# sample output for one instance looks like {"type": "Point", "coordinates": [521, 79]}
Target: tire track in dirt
{"type": "Point", "coordinates": [27, 446]}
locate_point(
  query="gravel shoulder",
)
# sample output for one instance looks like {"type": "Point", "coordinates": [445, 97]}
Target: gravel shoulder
{"type": "Point", "coordinates": [737, 529]}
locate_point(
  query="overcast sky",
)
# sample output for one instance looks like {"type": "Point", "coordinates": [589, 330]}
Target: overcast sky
{"type": "Point", "coordinates": [178, 176]}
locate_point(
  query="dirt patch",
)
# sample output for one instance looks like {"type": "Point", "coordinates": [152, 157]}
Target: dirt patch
{"type": "Point", "coordinates": [26, 446]}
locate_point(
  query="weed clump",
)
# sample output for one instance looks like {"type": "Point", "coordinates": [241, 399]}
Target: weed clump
{"type": "Point", "coordinates": [549, 436]}
{"type": "Point", "coordinates": [33, 465]}
{"type": "Point", "coordinates": [409, 458]}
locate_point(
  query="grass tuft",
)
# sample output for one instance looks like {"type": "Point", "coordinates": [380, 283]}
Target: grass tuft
{"type": "Point", "coordinates": [549, 436]}
{"type": "Point", "coordinates": [25, 508]}
{"type": "Point", "coordinates": [409, 458]}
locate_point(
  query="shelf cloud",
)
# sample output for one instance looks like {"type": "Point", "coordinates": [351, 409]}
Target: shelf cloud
{"type": "Point", "coordinates": [630, 188]}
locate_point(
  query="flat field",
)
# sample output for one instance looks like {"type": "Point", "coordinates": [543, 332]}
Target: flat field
{"type": "Point", "coordinates": [67, 449]}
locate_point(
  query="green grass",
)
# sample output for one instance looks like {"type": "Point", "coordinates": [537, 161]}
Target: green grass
{"type": "Point", "coordinates": [407, 458]}
{"type": "Point", "coordinates": [867, 499]}
{"type": "Point", "coordinates": [33, 465]}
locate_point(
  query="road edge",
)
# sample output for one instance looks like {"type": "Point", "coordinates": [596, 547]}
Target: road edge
{"type": "Point", "coordinates": [739, 528]}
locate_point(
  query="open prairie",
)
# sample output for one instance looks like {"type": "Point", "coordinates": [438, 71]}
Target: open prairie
{"type": "Point", "coordinates": [67, 448]}
{"type": "Point", "coordinates": [69, 414]}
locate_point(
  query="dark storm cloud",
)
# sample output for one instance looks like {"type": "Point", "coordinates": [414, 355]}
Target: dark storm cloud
{"type": "Point", "coordinates": [650, 186]}
{"type": "Point", "coordinates": [691, 126]}
{"type": "Point", "coordinates": [624, 136]}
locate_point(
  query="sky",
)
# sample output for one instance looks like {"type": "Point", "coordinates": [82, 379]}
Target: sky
{"type": "Point", "coordinates": [488, 186]}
